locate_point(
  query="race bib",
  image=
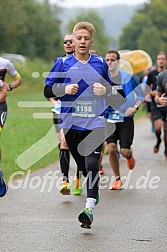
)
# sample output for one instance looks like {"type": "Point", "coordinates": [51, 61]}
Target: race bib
{"type": "Point", "coordinates": [115, 117]}
{"type": "Point", "coordinates": [84, 108]}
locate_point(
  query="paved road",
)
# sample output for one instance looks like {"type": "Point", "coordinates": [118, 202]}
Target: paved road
{"type": "Point", "coordinates": [129, 220]}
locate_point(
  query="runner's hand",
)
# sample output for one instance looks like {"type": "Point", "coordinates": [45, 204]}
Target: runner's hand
{"type": "Point", "coordinates": [3, 93]}
{"type": "Point", "coordinates": [71, 89]}
{"type": "Point", "coordinates": [130, 111]}
{"type": "Point", "coordinates": [99, 89]}
{"type": "Point", "coordinates": [163, 100]}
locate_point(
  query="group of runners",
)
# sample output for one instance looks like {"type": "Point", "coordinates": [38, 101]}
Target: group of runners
{"type": "Point", "coordinates": [94, 103]}
{"type": "Point", "coordinates": [98, 103]}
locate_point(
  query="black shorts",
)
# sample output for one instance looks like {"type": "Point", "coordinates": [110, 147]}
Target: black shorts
{"type": "Point", "coordinates": [123, 133]}
{"type": "Point", "coordinates": [89, 150]}
{"type": "Point", "coordinates": [86, 152]}
{"type": "Point", "coordinates": [3, 113]}
{"type": "Point", "coordinates": [159, 113]}
{"type": "Point", "coordinates": [148, 107]}
{"type": "Point", "coordinates": [91, 145]}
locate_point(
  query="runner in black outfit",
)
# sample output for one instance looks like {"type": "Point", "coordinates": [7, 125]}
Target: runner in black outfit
{"type": "Point", "coordinates": [161, 99]}
{"type": "Point", "coordinates": [156, 110]}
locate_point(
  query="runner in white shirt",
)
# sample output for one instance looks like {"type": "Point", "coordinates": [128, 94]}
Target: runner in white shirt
{"type": "Point", "coordinates": [6, 67]}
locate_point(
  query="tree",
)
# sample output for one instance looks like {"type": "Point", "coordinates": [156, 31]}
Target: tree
{"type": "Point", "coordinates": [151, 41]}
{"type": "Point", "coordinates": [132, 31]}
{"type": "Point", "coordinates": [147, 29]}
{"type": "Point", "coordinates": [30, 28]}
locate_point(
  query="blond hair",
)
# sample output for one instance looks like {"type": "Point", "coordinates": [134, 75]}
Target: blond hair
{"type": "Point", "coordinates": [84, 25]}
{"type": "Point", "coordinates": [93, 51]}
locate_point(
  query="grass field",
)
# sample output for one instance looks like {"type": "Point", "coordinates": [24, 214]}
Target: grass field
{"type": "Point", "coordinates": [23, 140]}
{"type": "Point", "coordinates": [21, 130]}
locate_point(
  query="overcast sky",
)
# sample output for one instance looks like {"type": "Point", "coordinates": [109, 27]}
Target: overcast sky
{"type": "Point", "coordinates": [95, 3]}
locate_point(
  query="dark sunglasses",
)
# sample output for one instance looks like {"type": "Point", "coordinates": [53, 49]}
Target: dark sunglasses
{"type": "Point", "coordinates": [68, 41]}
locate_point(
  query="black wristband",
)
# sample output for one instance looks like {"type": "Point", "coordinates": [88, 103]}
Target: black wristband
{"type": "Point", "coordinates": [136, 107]}
{"type": "Point", "coordinates": [11, 87]}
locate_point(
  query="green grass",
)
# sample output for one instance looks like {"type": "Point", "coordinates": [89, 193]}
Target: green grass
{"type": "Point", "coordinates": [140, 113]}
{"type": "Point", "coordinates": [21, 130]}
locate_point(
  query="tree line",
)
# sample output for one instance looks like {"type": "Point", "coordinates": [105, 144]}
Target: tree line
{"type": "Point", "coordinates": [147, 29]}
{"type": "Point", "coordinates": [33, 28]}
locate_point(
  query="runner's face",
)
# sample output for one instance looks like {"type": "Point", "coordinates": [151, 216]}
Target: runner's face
{"type": "Point", "coordinates": [83, 41]}
{"type": "Point", "coordinates": [69, 44]}
{"type": "Point", "coordinates": [161, 60]}
{"type": "Point", "coordinates": [112, 62]}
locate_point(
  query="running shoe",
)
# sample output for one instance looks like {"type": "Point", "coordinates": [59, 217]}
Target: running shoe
{"type": "Point", "coordinates": [156, 147]}
{"type": "Point", "coordinates": [77, 189]}
{"type": "Point", "coordinates": [101, 170]}
{"type": "Point", "coordinates": [117, 185]}
{"type": "Point", "coordinates": [130, 162]}
{"type": "Point", "coordinates": [86, 218]}
{"type": "Point", "coordinates": [3, 186]}
{"type": "Point", "coordinates": [65, 188]}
